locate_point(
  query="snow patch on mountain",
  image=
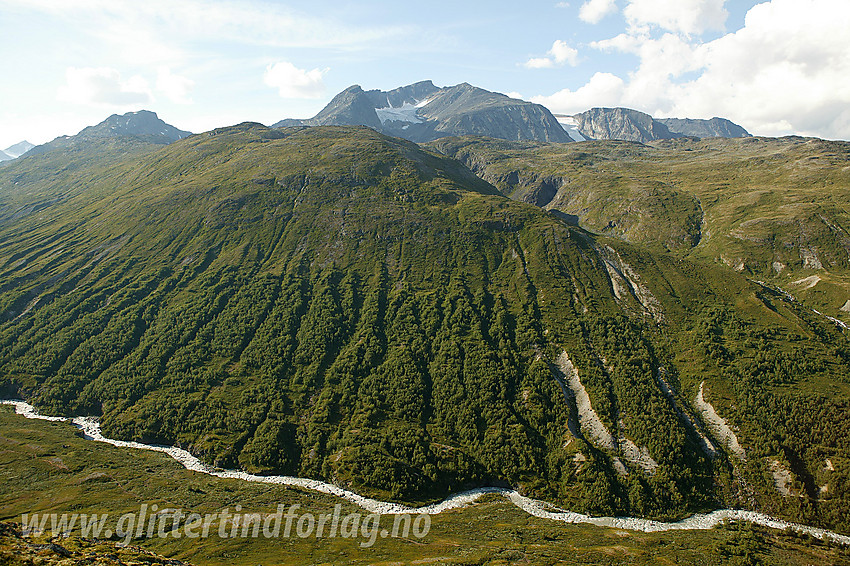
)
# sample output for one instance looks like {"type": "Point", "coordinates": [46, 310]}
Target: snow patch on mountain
{"type": "Point", "coordinates": [404, 113]}
{"type": "Point", "coordinates": [570, 126]}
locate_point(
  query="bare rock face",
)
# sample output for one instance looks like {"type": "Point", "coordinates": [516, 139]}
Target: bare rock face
{"type": "Point", "coordinates": [713, 128]}
{"type": "Point", "coordinates": [423, 112]}
{"type": "Point", "coordinates": [631, 125]}
{"type": "Point", "coordinates": [621, 124]}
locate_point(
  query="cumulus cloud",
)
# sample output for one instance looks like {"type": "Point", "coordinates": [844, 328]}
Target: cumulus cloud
{"type": "Point", "coordinates": [560, 54]}
{"type": "Point", "coordinates": [603, 89]}
{"type": "Point", "coordinates": [685, 16]}
{"type": "Point", "coordinates": [593, 11]}
{"type": "Point", "coordinates": [103, 86]}
{"type": "Point", "coordinates": [175, 87]}
{"type": "Point", "coordinates": [293, 82]}
{"type": "Point", "coordinates": [785, 71]}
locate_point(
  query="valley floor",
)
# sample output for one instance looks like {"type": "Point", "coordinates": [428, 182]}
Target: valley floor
{"type": "Point", "coordinates": [47, 467]}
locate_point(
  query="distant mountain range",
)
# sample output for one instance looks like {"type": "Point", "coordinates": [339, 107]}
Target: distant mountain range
{"type": "Point", "coordinates": [423, 112]}
{"type": "Point", "coordinates": [15, 151]}
{"type": "Point", "coordinates": [712, 128]}
{"type": "Point", "coordinates": [632, 125]}
{"type": "Point", "coordinates": [143, 125]}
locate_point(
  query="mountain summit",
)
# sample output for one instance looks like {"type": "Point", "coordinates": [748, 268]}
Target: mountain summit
{"type": "Point", "coordinates": [142, 124]}
{"type": "Point", "coordinates": [134, 128]}
{"type": "Point", "coordinates": [423, 112]}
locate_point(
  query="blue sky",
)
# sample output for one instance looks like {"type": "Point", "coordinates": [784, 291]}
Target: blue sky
{"type": "Point", "coordinates": [776, 67]}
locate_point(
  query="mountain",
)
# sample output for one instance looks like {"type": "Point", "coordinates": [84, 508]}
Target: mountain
{"type": "Point", "coordinates": [621, 124]}
{"type": "Point", "coordinates": [423, 112]}
{"type": "Point", "coordinates": [771, 208]}
{"type": "Point", "coordinates": [334, 303]}
{"type": "Point", "coordinates": [5, 156]}
{"type": "Point", "coordinates": [18, 149]}
{"type": "Point", "coordinates": [54, 174]}
{"type": "Point", "coordinates": [713, 128]}
{"type": "Point", "coordinates": [631, 125]}
{"type": "Point", "coordinates": [351, 107]}
{"type": "Point", "coordinates": [144, 126]}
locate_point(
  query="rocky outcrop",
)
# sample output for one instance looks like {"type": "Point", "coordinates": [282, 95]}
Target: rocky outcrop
{"type": "Point", "coordinates": [621, 124]}
{"type": "Point", "coordinates": [144, 126]}
{"type": "Point", "coordinates": [712, 128]}
{"type": "Point", "coordinates": [424, 112]}
{"type": "Point", "coordinates": [631, 125]}
{"type": "Point", "coordinates": [351, 107]}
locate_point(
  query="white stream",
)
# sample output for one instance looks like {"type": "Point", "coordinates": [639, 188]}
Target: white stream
{"type": "Point", "coordinates": [91, 430]}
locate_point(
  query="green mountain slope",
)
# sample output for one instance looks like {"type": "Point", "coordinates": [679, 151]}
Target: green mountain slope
{"type": "Point", "coordinates": [334, 303]}
{"type": "Point", "coordinates": [772, 208]}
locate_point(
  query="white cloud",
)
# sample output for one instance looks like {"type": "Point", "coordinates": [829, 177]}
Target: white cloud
{"type": "Point", "coordinates": [685, 16]}
{"type": "Point", "coordinates": [103, 86]}
{"type": "Point", "coordinates": [293, 82]}
{"type": "Point", "coordinates": [603, 89]}
{"type": "Point", "coordinates": [560, 54]}
{"type": "Point", "coordinates": [786, 71]}
{"type": "Point", "coordinates": [593, 11]}
{"type": "Point", "coordinates": [539, 63]}
{"type": "Point", "coordinates": [175, 87]}
{"type": "Point", "coordinates": [172, 23]}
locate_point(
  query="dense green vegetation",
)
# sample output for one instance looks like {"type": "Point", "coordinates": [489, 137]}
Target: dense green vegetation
{"type": "Point", "coordinates": [47, 468]}
{"type": "Point", "coordinates": [333, 303]}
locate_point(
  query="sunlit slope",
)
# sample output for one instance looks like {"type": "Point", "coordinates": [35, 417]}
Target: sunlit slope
{"type": "Point", "coordinates": [772, 208]}
{"type": "Point", "coordinates": [334, 303]}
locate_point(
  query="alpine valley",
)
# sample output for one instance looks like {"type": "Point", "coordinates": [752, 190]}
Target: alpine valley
{"type": "Point", "coordinates": [427, 290]}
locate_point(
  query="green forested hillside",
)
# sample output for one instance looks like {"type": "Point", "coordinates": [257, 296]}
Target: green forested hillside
{"type": "Point", "coordinates": [333, 303]}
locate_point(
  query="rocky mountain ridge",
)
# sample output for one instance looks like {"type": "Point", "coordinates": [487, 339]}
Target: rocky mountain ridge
{"type": "Point", "coordinates": [423, 112]}
{"type": "Point", "coordinates": [627, 124]}
{"type": "Point", "coordinates": [143, 126]}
